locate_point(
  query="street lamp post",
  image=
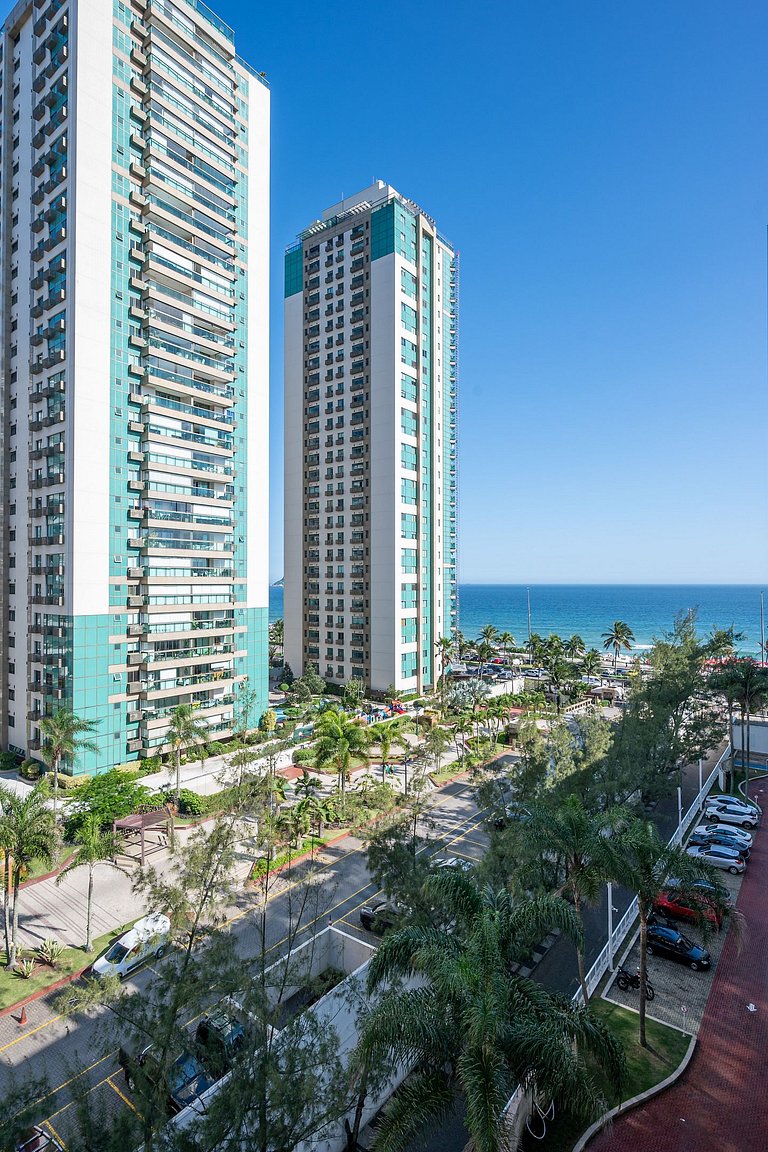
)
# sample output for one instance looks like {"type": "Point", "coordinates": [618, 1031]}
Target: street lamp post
{"type": "Point", "coordinates": [405, 770]}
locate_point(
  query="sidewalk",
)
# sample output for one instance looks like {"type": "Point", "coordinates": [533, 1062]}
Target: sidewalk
{"type": "Point", "coordinates": [48, 910]}
{"type": "Point", "coordinates": [719, 1101]}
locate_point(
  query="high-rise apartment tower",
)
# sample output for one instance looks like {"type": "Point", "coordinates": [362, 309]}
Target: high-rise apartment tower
{"type": "Point", "coordinates": [370, 443]}
{"type": "Point", "coordinates": [133, 219]}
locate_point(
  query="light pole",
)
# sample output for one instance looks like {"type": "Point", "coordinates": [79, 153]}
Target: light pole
{"type": "Point", "coordinates": [610, 926]}
{"type": "Point", "coordinates": [405, 770]}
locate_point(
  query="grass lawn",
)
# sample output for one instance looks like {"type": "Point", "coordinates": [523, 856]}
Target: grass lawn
{"type": "Point", "coordinates": [448, 773]}
{"type": "Point", "coordinates": [644, 1069]}
{"type": "Point", "coordinates": [14, 988]}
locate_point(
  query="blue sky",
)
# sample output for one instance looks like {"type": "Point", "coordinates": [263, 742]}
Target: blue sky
{"type": "Point", "coordinates": [602, 169]}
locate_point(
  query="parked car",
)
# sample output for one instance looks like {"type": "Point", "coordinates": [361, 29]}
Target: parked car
{"type": "Point", "coordinates": [675, 906]}
{"type": "Point", "coordinates": [219, 1038]}
{"type": "Point", "coordinates": [731, 814]}
{"type": "Point", "coordinates": [381, 915]}
{"type": "Point", "coordinates": [718, 857]}
{"type": "Point", "coordinates": [149, 936]}
{"type": "Point", "coordinates": [458, 862]}
{"type": "Point", "coordinates": [185, 1079]}
{"type": "Point", "coordinates": [668, 942]}
{"type": "Point", "coordinates": [724, 798]}
{"type": "Point", "coordinates": [740, 835]}
{"type": "Point", "coordinates": [699, 838]}
{"type": "Point", "coordinates": [718, 891]}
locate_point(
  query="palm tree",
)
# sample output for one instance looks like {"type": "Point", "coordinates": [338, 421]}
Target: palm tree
{"type": "Point", "coordinates": [725, 682]}
{"type": "Point", "coordinates": [747, 684]}
{"type": "Point", "coordinates": [443, 651]}
{"type": "Point", "coordinates": [488, 635]}
{"type": "Point", "coordinates": [470, 1025]}
{"type": "Point", "coordinates": [64, 735]}
{"type": "Point", "coordinates": [507, 641]}
{"type": "Point", "coordinates": [619, 636]}
{"type": "Point", "coordinates": [27, 833]}
{"type": "Point", "coordinates": [591, 663]}
{"type": "Point", "coordinates": [94, 847]}
{"type": "Point", "coordinates": [461, 729]}
{"type": "Point", "coordinates": [577, 839]}
{"type": "Point", "coordinates": [535, 647]}
{"type": "Point", "coordinates": [640, 860]}
{"type": "Point", "coordinates": [185, 731]}
{"type": "Point", "coordinates": [389, 733]}
{"type": "Point", "coordinates": [307, 785]}
{"type": "Point", "coordinates": [575, 647]}
{"type": "Point", "coordinates": [339, 740]}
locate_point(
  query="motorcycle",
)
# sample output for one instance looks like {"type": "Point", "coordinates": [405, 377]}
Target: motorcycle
{"type": "Point", "coordinates": [626, 979]}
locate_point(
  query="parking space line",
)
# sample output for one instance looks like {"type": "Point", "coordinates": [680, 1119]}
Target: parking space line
{"type": "Point", "coordinates": [55, 1134]}
{"type": "Point", "coordinates": [24, 1035]}
{"type": "Point", "coordinates": [473, 823]}
{"type": "Point", "coordinates": [124, 1098]}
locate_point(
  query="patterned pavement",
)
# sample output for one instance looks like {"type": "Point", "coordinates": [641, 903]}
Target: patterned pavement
{"type": "Point", "coordinates": [719, 1104]}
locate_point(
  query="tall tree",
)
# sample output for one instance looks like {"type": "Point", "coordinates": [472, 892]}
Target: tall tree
{"type": "Point", "coordinates": [508, 642]}
{"type": "Point", "coordinates": [443, 651]}
{"type": "Point", "coordinates": [339, 739]}
{"type": "Point", "coordinates": [591, 663]}
{"type": "Point", "coordinates": [577, 839]}
{"type": "Point", "coordinates": [575, 647]}
{"type": "Point", "coordinates": [27, 833]}
{"type": "Point", "coordinates": [488, 635]}
{"type": "Point", "coordinates": [640, 860]}
{"type": "Point", "coordinates": [467, 1024]}
{"type": "Point", "coordinates": [64, 735]}
{"type": "Point", "coordinates": [747, 684]}
{"type": "Point", "coordinates": [94, 847]}
{"type": "Point", "coordinates": [619, 637]}
{"type": "Point", "coordinates": [184, 732]}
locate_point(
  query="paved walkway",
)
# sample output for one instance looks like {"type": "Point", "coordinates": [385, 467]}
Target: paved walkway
{"type": "Point", "coordinates": [719, 1103]}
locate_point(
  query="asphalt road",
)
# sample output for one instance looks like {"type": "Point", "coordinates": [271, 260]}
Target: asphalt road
{"type": "Point", "coordinates": [73, 1057]}
{"type": "Point", "coordinates": [77, 1056]}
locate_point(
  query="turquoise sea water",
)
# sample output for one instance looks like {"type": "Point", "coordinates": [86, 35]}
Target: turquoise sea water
{"type": "Point", "coordinates": [589, 609]}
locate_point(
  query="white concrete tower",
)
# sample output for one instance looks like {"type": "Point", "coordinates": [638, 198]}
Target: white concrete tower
{"type": "Point", "coordinates": [371, 311]}
{"type": "Point", "coordinates": [134, 222]}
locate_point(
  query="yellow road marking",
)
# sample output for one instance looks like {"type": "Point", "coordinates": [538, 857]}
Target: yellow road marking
{"type": "Point", "coordinates": [123, 1097]}
{"type": "Point", "coordinates": [238, 916]}
{"type": "Point", "coordinates": [55, 1135]}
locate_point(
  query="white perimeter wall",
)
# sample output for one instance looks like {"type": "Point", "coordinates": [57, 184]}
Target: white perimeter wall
{"type": "Point", "coordinates": [293, 600]}
{"type": "Point", "coordinates": [88, 390]}
{"type": "Point", "coordinates": [258, 345]}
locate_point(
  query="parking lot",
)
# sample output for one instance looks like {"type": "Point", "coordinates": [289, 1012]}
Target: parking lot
{"type": "Point", "coordinates": [681, 994]}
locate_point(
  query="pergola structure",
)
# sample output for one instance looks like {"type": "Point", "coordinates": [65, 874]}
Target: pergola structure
{"type": "Point", "coordinates": [140, 822]}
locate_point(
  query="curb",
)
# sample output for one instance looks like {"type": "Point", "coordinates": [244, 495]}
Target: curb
{"type": "Point", "coordinates": [48, 875]}
{"type": "Point", "coordinates": [43, 992]}
{"type": "Point", "coordinates": [635, 1101]}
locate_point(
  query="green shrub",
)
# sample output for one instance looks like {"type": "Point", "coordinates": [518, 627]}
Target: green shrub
{"type": "Point", "coordinates": [215, 748]}
{"type": "Point", "coordinates": [8, 761]}
{"type": "Point", "coordinates": [303, 756]}
{"type": "Point", "coordinates": [30, 770]}
{"type": "Point", "coordinates": [50, 952]}
{"type": "Point", "coordinates": [190, 804]}
{"type": "Point", "coordinates": [150, 765]}
{"type": "Point", "coordinates": [25, 968]}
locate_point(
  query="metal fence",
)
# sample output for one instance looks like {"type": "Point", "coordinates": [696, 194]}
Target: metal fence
{"type": "Point", "coordinates": [519, 1104]}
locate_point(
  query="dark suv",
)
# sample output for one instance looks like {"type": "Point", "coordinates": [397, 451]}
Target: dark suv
{"type": "Point", "coordinates": [185, 1079]}
{"type": "Point", "coordinates": [219, 1039]}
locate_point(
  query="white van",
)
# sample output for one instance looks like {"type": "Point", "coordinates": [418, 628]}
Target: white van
{"type": "Point", "coordinates": [148, 937]}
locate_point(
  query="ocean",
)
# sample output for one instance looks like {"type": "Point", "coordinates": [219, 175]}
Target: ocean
{"type": "Point", "coordinates": [590, 609]}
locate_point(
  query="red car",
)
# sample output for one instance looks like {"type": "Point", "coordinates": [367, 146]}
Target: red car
{"type": "Point", "coordinates": [675, 906]}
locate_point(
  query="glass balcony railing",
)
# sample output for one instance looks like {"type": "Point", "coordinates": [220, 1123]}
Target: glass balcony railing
{"type": "Point", "coordinates": [222, 469]}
